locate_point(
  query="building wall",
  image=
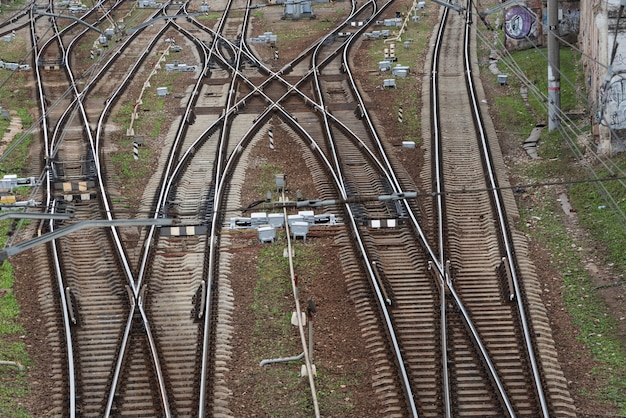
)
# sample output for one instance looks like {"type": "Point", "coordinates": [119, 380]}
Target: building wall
{"type": "Point", "coordinates": [605, 82]}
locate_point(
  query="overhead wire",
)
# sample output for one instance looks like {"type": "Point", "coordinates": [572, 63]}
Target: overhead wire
{"type": "Point", "coordinates": [569, 130]}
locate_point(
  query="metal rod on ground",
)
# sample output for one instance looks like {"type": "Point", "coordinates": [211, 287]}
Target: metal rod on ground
{"type": "Point", "coordinates": [292, 274]}
{"type": "Point", "coordinates": [400, 114]}
{"type": "Point", "coordinates": [310, 310]}
{"type": "Point", "coordinates": [307, 354]}
{"type": "Point", "coordinates": [281, 359]}
{"type": "Point", "coordinates": [135, 151]}
{"type": "Point", "coordinates": [12, 363]}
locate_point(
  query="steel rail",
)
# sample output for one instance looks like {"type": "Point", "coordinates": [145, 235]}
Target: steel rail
{"type": "Point", "coordinates": [166, 176]}
{"type": "Point", "coordinates": [58, 269]}
{"type": "Point", "coordinates": [392, 177]}
{"type": "Point", "coordinates": [67, 327]}
{"type": "Point", "coordinates": [400, 362]}
{"type": "Point", "coordinates": [24, 11]}
{"type": "Point", "coordinates": [213, 239]}
{"type": "Point", "coordinates": [340, 187]}
{"type": "Point", "coordinates": [78, 101]}
{"type": "Point", "coordinates": [135, 289]}
{"type": "Point", "coordinates": [259, 90]}
{"type": "Point", "coordinates": [93, 139]}
{"type": "Point", "coordinates": [439, 262]}
{"type": "Point", "coordinates": [56, 261]}
{"type": "Point", "coordinates": [42, 103]}
{"type": "Point", "coordinates": [307, 354]}
{"type": "Point", "coordinates": [442, 272]}
{"type": "Point", "coordinates": [293, 88]}
{"type": "Point", "coordinates": [502, 219]}
{"type": "Point", "coordinates": [407, 385]}
{"type": "Point", "coordinates": [219, 191]}
{"type": "Point", "coordinates": [320, 99]}
{"type": "Point", "coordinates": [441, 235]}
{"type": "Point", "coordinates": [237, 149]}
{"type": "Point", "coordinates": [438, 169]}
{"type": "Point", "coordinates": [390, 329]}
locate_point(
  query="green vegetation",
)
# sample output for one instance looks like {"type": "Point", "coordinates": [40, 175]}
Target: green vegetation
{"type": "Point", "coordinates": [124, 115]}
{"type": "Point", "coordinates": [137, 17]}
{"type": "Point", "coordinates": [544, 220]}
{"type": "Point", "coordinates": [274, 337]}
{"type": "Point", "coordinates": [13, 96]}
{"type": "Point", "coordinates": [130, 171]}
{"type": "Point", "coordinates": [525, 115]}
{"type": "Point", "coordinates": [15, 51]}
{"type": "Point", "coordinates": [14, 5]}
{"type": "Point", "coordinates": [290, 30]}
{"type": "Point", "coordinates": [267, 180]}
{"type": "Point", "coordinates": [417, 34]}
{"type": "Point", "coordinates": [13, 383]}
{"type": "Point", "coordinates": [210, 16]}
{"type": "Point", "coordinates": [17, 161]}
{"type": "Point", "coordinates": [599, 218]}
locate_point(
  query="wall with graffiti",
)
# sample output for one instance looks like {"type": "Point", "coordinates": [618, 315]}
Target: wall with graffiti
{"type": "Point", "coordinates": [569, 20]}
{"type": "Point", "coordinates": [522, 26]}
{"type": "Point", "coordinates": [525, 23]}
{"type": "Point", "coordinates": [612, 93]}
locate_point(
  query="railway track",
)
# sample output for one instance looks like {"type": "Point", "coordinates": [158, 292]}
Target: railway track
{"type": "Point", "coordinates": [148, 311]}
{"type": "Point", "coordinates": [475, 243]}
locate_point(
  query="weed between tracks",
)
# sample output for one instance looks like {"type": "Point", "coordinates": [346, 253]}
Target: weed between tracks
{"type": "Point", "coordinates": [149, 125]}
{"type": "Point", "coordinates": [407, 92]}
{"type": "Point", "coordinates": [279, 388]}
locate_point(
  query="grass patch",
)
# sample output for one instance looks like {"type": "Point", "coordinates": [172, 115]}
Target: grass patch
{"type": "Point", "coordinates": [274, 336]}
{"type": "Point", "coordinates": [137, 16]}
{"type": "Point", "coordinates": [210, 17]}
{"type": "Point", "coordinates": [13, 384]}
{"type": "Point", "coordinates": [267, 180]}
{"type": "Point", "coordinates": [130, 172]}
{"type": "Point", "coordinates": [586, 308]}
{"type": "Point", "coordinates": [289, 30]}
{"type": "Point", "coordinates": [596, 215]}
{"type": "Point", "coordinates": [14, 51]}
{"type": "Point", "coordinates": [417, 34]}
{"type": "Point", "coordinates": [124, 114]}
{"type": "Point", "coordinates": [14, 98]}
{"type": "Point", "coordinates": [17, 162]}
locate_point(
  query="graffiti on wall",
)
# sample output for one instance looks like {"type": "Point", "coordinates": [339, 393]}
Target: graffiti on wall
{"type": "Point", "coordinates": [612, 99]}
{"type": "Point", "coordinates": [612, 92]}
{"type": "Point", "coordinates": [569, 22]}
{"type": "Point", "coordinates": [520, 22]}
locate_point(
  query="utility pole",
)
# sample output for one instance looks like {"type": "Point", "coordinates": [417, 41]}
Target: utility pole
{"type": "Point", "coordinates": [554, 66]}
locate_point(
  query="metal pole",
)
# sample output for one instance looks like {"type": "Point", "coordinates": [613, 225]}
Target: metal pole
{"type": "Point", "coordinates": [310, 310]}
{"type": "Point", "coordinates": [311, 341]}
{"type": "Point", "coordinates": [554, 64]}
